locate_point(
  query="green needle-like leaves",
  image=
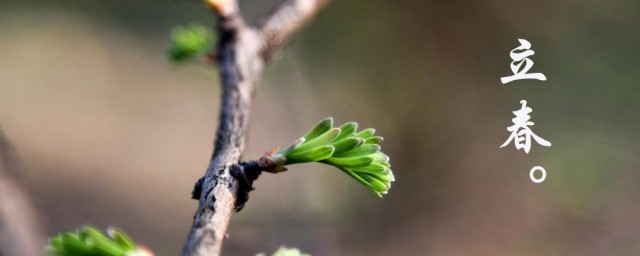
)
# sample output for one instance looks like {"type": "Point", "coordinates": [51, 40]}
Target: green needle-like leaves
{"type": "Point", "coordinates": [89, 241]}
{"type": "Point", "coordinates": [189, 42]}
{"type": "Point", "coordinates": [355, 153]}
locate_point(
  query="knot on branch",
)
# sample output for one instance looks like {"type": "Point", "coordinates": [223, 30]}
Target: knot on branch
{"type": "Point", "coordinates": [245, 173]}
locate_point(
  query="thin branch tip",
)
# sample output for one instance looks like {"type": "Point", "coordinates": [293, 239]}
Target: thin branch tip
{"type": "Point", "coordinates": [224, 8]}
{"type": "Point", "coordinates": [284, 21]}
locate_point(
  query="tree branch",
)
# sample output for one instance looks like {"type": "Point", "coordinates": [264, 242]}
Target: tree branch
{"type": "Point", "coordinates": [242, 53]}
{"type": "Point", "coordinates": [20, 232]}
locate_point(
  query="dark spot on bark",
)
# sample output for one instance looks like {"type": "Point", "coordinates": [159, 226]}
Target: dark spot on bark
{"type": "Point", "coordinates": [197, 189]}
{"type": "Point", "coordinates": [246, 173]}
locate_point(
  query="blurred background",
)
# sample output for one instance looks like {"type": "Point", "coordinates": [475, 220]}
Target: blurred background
{"type": "Point", "coordinates": [110, 133]}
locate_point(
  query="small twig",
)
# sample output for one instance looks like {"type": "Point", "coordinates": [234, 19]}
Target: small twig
{"type": "Point", "coordinates": [284, 21]}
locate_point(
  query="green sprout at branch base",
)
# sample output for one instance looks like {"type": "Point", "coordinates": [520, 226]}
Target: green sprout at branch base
{"type": "Point", "coordinates": [89, 241]}
{"type": "Point", "coordinates": [355, 153]}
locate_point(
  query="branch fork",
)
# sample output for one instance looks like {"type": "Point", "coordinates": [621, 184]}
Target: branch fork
{"type": "Point", "coordinates": [242, 53]}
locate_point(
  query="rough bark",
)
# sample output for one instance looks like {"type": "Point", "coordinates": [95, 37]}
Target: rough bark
{"type": "Point", "coordinates": [242, 54]}
{"type": "Point", "coordinates": [20, 232]}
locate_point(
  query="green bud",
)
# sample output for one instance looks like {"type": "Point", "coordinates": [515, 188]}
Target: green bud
{"type": "Point", "coordinates": [312, 155]}
{"type": "Point", "coordinates": [320, 128]}
{"type": "Point", "coordinates": [190, 41]}
{"type": "Point", "coordinates": [355, 153]}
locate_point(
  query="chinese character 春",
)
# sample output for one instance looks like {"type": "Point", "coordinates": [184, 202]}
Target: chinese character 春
{"type": "Point", "coordinates": [521, 134]}
{"type": "Point", "coordinates": [519, 56]}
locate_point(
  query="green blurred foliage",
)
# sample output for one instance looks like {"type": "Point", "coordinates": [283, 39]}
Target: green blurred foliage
{"type": "Point", "coordinates": [89, 241]}
{"type": "Point", "coordinates": [190, 42]}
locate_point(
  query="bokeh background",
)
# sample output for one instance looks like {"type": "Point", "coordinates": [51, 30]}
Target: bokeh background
{"type": "Point", "coordinates": [111, 133]}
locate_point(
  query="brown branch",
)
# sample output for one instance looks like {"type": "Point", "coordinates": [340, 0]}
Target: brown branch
{"type": "Point", "coordinates": [20, 232]}
{"type": "Point", "coordinates": [242, 53]}
{"type": "Point", "coordinates": [284, 21]}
